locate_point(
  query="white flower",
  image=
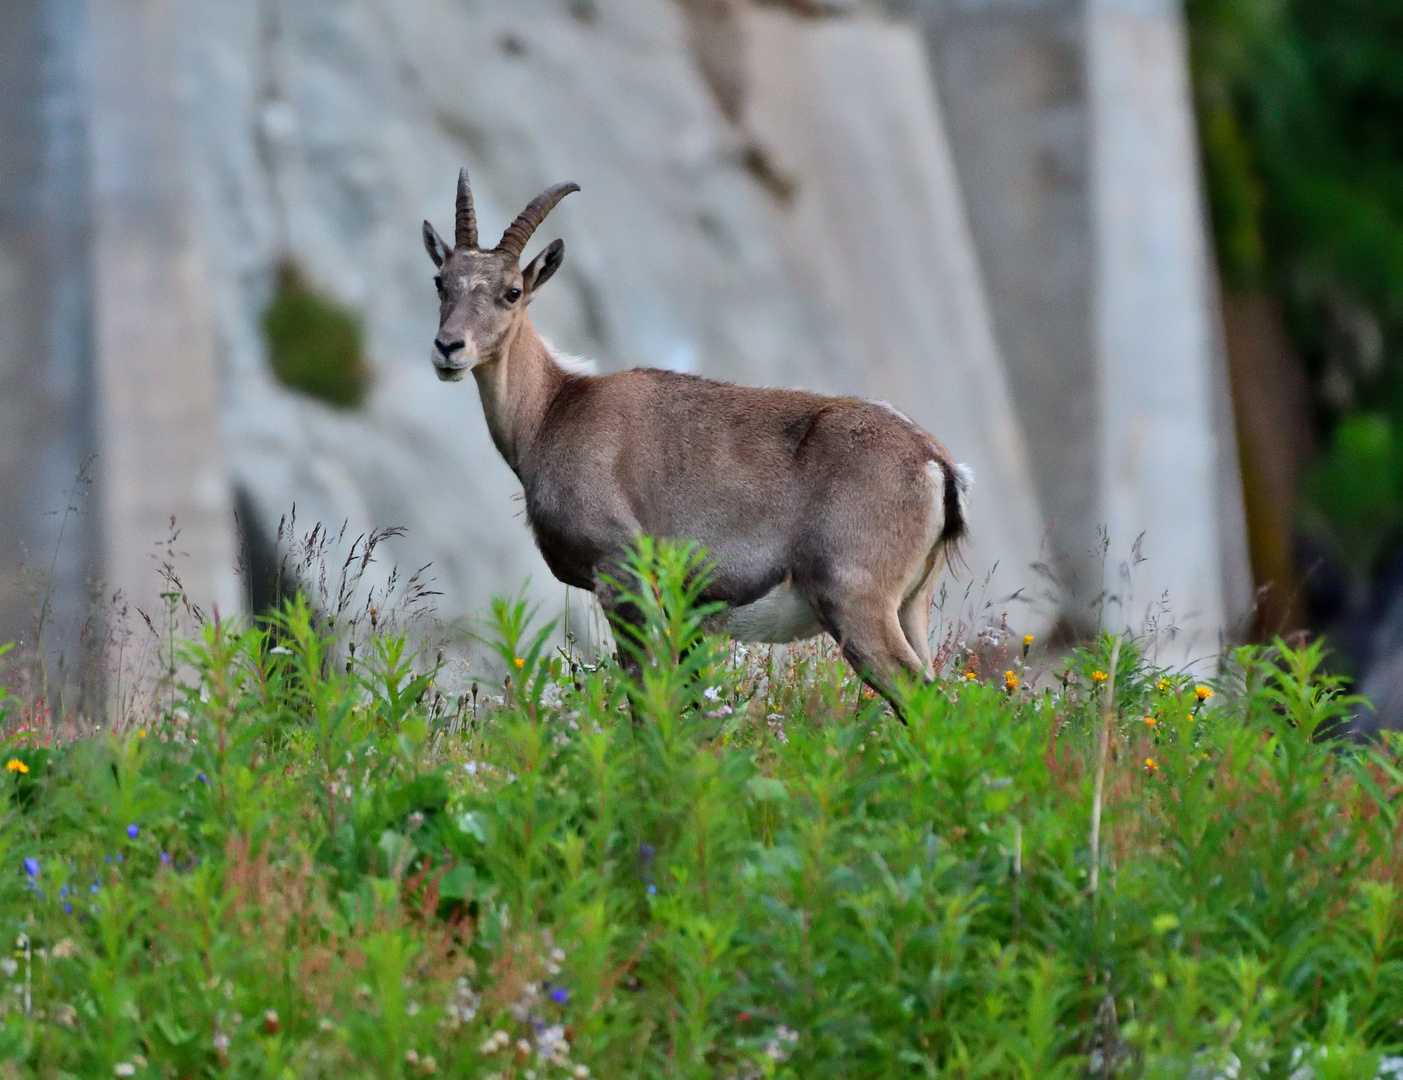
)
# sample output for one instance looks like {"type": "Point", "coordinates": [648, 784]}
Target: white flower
{"type": "Point", "coordinates": [9, 967]}
{"type": "Point", "coordinates": [711, 693]}
{"type": "Point", "coordinates": [124, 1068]}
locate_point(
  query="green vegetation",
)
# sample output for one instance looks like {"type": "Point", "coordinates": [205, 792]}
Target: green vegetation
{"type": "Point", "coordinates": [314, 343]}
{"type": "Point", "coordinates": [315, 865]}
{"type": "Point", "coordinates": [1300, 106]}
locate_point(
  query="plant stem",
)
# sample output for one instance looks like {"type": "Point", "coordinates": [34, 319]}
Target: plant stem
{"type": "Point", "coordinates": [1103, 737]}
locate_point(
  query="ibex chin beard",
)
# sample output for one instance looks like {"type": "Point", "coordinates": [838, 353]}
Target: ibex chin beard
{"type": "Point", "coordinates": [450, 372]}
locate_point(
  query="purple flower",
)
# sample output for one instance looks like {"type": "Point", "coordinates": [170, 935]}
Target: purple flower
{"type": "Point", "coordinates": [132, 831]}
{"type": "Point", "coordinates": [31, 867]}
{"type": "Point", "coordinates": [647, 850]}
{"type": "Point", "coordinates": [560, 995]}
{"type": "Point", "coordinates": [165, 856]}
{"type": "Point", "coordinates": [68, 909]}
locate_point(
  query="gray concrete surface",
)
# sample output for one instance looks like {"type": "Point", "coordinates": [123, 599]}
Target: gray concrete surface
{"type": "Point", "coordinates": [876, 229]}
{"type": "Point", "coordinates": [1169, 458]}
{"type": "Point", "coordinates": [163, 482]}
{"type": "Point", "coordinates": [48, 552]}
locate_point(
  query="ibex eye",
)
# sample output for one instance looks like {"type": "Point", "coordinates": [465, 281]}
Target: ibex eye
{"type": "Point", "coordinates": [513, 295]}
{"type": "Point", "coordinates": [438, 284]}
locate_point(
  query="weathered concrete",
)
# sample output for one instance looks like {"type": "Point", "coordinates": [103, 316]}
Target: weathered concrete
{"type": "Point", "coordinates": [1072, 132]}
{"type": "Point", "coordinates": [162, 454]}
{"type": "Point", "coordinates": [1011, 75]}
{"type": "Point", "coordinates": [47, 532]}
{"type": "Point", "coordinates": [876, 229]}
{"type": "Point", "coordinates": [1169, 458]}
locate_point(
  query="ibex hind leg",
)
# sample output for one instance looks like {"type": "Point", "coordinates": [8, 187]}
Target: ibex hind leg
{"type": "Point", "coordinates": [874, 643]}
{"type": "Point", "coordinates": [914, 611]}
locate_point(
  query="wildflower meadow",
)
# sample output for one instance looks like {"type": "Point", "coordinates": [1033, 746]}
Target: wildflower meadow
{"type": "Point", "coordinates": [313, 862]}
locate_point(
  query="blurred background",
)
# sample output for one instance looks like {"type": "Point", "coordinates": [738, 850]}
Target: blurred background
{"type": "Point", "coordinates": [1138, 262]}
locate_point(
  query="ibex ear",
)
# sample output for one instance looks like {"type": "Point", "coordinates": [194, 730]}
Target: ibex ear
{"type": "Point", "coordinates": [539, 269]}
{"type": "Point", "coordinates": [434, 245]}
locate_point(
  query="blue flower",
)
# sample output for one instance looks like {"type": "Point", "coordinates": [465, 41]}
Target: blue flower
{"type": "Point", "coordinates": [204, 779]}
{"type": "Point", "coordinates": [652, 889]}
{"type": "Point", "coordinates": [63, 890]}
{"type": "Point", "coordinates": [93, 888]}
{"type": "Point", "coordinates": [560, 995]}
{"type": "Point", "coordinates": [132, 831]}
{"type": "Point", "coordinates": [31, 867]}
{"type": "Point", "coordinates": [647, 850]}
{"type": "Point", "coordinates": [68, 909]}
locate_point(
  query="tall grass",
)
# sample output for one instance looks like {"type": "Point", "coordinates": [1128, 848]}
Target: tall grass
{"type": "Point", "coordinates": [308, 866]}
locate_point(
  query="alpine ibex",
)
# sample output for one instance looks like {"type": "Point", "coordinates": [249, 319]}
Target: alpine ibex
{"type": "Point", "coordinates": [818, 513]}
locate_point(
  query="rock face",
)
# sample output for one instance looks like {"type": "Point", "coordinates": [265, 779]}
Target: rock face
{"type": "Point", "coordinates": [1072, 130]}
{"type": "Point", "coordinates": [875, 226]}
{"type": "Point", "coordinates": [326, 131]}
{"type": "Point", "coordinates": [48, 554]}
{"type": "Point", "coordinates": [1169, 457]}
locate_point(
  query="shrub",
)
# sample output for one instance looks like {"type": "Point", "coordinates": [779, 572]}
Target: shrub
{"type": "Point", "coordinates": [724, 868]}
{"type": "Point", "coordinates": [315, 345]}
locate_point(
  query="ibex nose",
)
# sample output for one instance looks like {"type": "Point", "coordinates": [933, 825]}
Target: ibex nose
{"type": "Point", "coordinates": [447, 348]}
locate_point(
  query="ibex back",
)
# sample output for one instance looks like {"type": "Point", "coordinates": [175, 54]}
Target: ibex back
{"type": "Point", "coordinates": [818, 513]}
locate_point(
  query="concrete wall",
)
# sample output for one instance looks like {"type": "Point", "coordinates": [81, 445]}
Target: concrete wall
{"type": "Point", "coordinates": [1072, 132]}
{"type": "Point", "coordinates": [48, 534]}
{"type": "Point", "coordinates": [875, 227]}
{"type": "Point", "coordinates": [163, 483]}
{"type": "Point", "coordinates": [1012, 80]}
{"type": "Point", "coordinates": [1167, 446]}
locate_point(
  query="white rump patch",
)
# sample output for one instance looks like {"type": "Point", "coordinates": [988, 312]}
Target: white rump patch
{"type": "Point", "coordinates": [575, 365]}
{"type": "Point", "coordinates": [781, 615]}
{"type": "Point", "coordinates": [935, 517]}
{"type": "Point", "coordinates": [964, 480]}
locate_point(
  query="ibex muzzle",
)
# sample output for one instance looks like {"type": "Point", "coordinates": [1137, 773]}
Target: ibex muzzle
{"type": "Point", "coordinates": [818, 513]}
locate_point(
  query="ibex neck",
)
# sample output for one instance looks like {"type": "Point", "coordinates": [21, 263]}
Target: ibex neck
{"type": "Point", "coordinates": [516, 391]}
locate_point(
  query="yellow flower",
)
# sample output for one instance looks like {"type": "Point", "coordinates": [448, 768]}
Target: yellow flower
{"type": "Point", "coordinates": [1150, 721]}
{"type": "Point", "coordinates": [1164, 685]}
{"type": "Point", "coordinates": [141, 733]}
{"type": "Point", "coordinates": [519, 662]}
{"type": "Point", "coordinates": [1098, 676]}
{"type": "Point", "coordinates": [971, 675]}
{"type": "Point", "coordinates": [16, 765]}
{"type": "Point", "coordinates": [1027, 640]}
{"type": "Point", "coordinates": [1203, 693]}
{"type": "Point", "coordinates": [1151, 764]}
{"type": "Point", "coordinates": [1010, 681]}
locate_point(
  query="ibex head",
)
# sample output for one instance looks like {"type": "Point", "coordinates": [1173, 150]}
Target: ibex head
{"type": "Point", "coordinates": [482, 294]}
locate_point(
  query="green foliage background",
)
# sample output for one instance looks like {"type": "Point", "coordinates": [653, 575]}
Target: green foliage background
{"type": "Point", "coordinates": [313, 865]}
{"type": "Point", "coordinates": [1300, 107]}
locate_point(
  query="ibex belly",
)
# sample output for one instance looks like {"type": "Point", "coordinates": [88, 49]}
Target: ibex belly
{"type": "Point", "coordinates": [781, 615]}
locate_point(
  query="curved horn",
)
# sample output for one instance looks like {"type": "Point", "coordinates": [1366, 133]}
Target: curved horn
{"type": "Point", "coordinates": [465, 220]}
{"type": "Point", "coordinates": [520, 230]}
